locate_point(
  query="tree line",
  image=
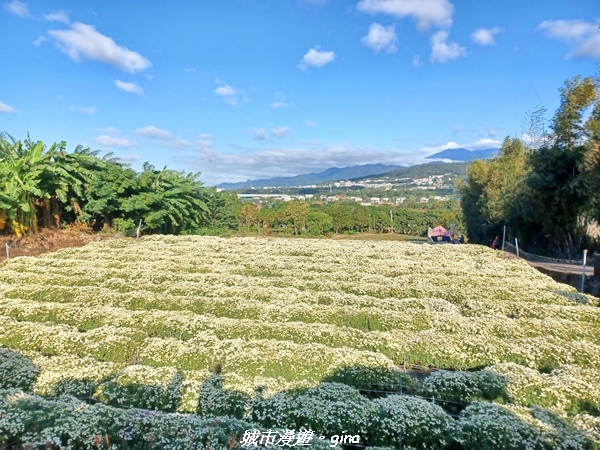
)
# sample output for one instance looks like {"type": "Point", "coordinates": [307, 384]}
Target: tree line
{"type": "Point", "coordinates": [300, 217]}
{"type": "Point", "coordinates": [50, 187]}
{"type": "Point", "coordinates": [545, 189]}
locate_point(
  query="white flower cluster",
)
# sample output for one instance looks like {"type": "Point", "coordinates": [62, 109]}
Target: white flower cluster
{"type": "Point", "coordinates": [147, 323]}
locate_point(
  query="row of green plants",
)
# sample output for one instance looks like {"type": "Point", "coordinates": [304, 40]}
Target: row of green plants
{"type": "Point", "coordinates": [222, 416]}
{"type": "Point", "coordinates": [446, 410]}
{"type": "Point", "coordinates": [545, 189]}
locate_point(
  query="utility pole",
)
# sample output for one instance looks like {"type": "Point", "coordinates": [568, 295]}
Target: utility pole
{"type": "Point", "coordinates": [392, 220]}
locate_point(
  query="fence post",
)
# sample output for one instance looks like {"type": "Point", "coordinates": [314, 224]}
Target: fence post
{"type": "Point", "coordinates": [583, 271]}
{"type": "Point", "coordinates": [7, 251]}
{"type": "Point", "coordinates": [503, 237]}
{"type": "Point", "coordinates": [517, 245]}
{"type": "Point", "coordinates": [137, 234]}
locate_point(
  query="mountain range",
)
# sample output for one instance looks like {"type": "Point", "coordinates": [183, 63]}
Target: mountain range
{"type": "Point", "coordinates": [331, 174]}
{"type": "Point", "coordinates": [464, 155]}
{"type": "Point", "coordinates": [354, 172]}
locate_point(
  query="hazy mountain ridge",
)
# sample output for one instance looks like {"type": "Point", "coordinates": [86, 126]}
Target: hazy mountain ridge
{"type": "Point", "coordinates": [458, 155]}
{"type": "Point", "coordinates": [464, 155]}
{"type": "Point", "coordinates": [331, 174]}
{"type": "Point", "coordinates": [422, 171]}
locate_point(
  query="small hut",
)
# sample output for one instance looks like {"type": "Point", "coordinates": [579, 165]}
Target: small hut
{"type": "Point", "coordinates": [439, 233]}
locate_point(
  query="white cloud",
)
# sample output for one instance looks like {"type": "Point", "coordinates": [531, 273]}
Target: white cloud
{"type": "Point", "coordinates": [289, 161]}
{"type": "Point", "coordinates": [4, 108]}
{"type": "Point", "coordinates": [57, 16]}
{"type": "Point", "coordinates": [17, 8]}
{"type": "Point", "coordinates": [443, 51]}
{"type": "Point", "coordinates": [281, 131]}
{"type": "Point", "coordinates": [179, 144]}
{"type": "Point", "coordinates": [110, 130]}
{"type": "Point", "coordinates": [480, 144]}
{"type": "Point", "coordinates": [279, 101]}
{"type": "Point", "coordinates": [439, 148]}
{"type": "Point", "coordinates": [155, 133]}
{"type": "Point", "coordinates": [228, 94]}
{"type": "Point", "coordinates": [260, 134]}
{"type": "Point", "coordinates": [567, 29]}
{"type": "Point", "coordinates": [189, 70]}
{"type": "Point", "coordinates": [39, 41]}
{"type": "Point", "coordinates": [82, 41]}
{"type": "Point", "coordinates": [90, 110]}
{"type": "Point", "coordinates": [416, 61]}
{"type": "Point", "coordinates": [165, 136]}
{"type": "Point", "coordinates": [485, 143]}
{"type": "Point", "coordinates": [381, 38]}
{"type": "Point", "coordinates": [485, 36]}
{"type": "Point", "coordinates": [426, 13]}
{"type": "Point", "coordinates": [310, 123]}
{"type": "Point", "coordinates": [132, 88]}
{"type": "Point", "coordinates": [114, 141]}
{"type": "Point", "coordinates": [582, 37]}
{"type": "Point", "coordinates": [130, 158]}
{"type": "Point", "coordinates": [316, 58]}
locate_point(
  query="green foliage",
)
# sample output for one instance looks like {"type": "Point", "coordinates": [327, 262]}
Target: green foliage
{"type": "Point", "coordinates": [248, 213]}
{"type": "Point", "coordinates": [296, 213]}
{"type": "Point", "coordinates": [319, 223]}
{"type": "Point", "coordinates": [341, 215]}
{"type": "Point", "coordinates": [124, 226]}
{"type": "Point", "coordinates": [60, 187]}
{"type": "Point", "coordinates": [545, 194]}
{"type": "Point", "coordinates": [489, 193]}
{"type": "Point", "coordinates": [222, 208]}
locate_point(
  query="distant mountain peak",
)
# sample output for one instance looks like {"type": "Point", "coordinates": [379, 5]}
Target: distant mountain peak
{"type": "Point", "coordinates": [464, 155]}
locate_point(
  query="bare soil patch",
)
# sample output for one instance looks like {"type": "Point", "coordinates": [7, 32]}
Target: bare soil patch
{"type": "Point", "coordinates": [48, 241]}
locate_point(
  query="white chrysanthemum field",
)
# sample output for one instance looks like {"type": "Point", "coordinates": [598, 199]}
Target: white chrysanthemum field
{"type": "Point", "coordinates": [143, 344]}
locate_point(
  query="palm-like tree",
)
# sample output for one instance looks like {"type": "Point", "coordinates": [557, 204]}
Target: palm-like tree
{"type": "Point", "coordinates": [22, 167]}
{"type": "Point", "coordinates": [168, 200]}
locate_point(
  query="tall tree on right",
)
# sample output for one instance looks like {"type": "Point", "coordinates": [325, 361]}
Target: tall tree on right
{"type": "Point", "coordinates": [559, 196]}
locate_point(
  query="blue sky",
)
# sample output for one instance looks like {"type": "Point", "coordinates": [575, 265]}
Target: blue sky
{"type": "Point", "coordinates": [243, 89]}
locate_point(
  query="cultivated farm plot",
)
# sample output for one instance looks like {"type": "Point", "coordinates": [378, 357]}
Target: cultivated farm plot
{"type": "Point", "coordinates": [142, 344]}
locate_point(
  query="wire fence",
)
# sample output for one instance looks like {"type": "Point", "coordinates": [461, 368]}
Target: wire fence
{"type": "Point", "coordinates": [532, 257]}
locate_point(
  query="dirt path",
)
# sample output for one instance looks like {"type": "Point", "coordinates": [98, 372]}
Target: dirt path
{"type": "Point", "coordinates": [48, 241]}
{"type": "Point", "coordinates": [564, 268]}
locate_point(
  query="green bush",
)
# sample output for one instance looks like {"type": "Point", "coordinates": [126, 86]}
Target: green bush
{"type": "Point", "coordinates": [411, 423]}
{"type": "Point", "coordinates": [466, 387]}
{"type": "Point", "coordinates": [124, 226]}
{"type": "Point", "coordinates": [486, 426]}
{"type": "Point", "coordinates": [16, 371]}
{"type": "Point", "coordinates": [329, 409]}
{"type": "Point", "coordinates": [216, 401]}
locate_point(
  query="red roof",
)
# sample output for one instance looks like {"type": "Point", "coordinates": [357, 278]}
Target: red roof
{"type": "Point", "coordinates": [440, 231]}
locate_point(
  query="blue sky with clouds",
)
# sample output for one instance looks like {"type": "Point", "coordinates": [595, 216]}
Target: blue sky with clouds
{"type": "Point", "coordinates": [242, 89]}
